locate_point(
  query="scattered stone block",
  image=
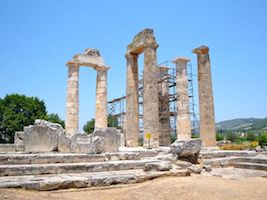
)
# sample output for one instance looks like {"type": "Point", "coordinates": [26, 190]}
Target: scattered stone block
{"type": "Point", "coordinates": [207, 168]}
{"type": "Point", "coordinates": [158, 166]}
{"type": "Point", "coordinates": [187, 149]}
{"type": "Point", "coordinates": [42, 136]}
{"type": "Point", "coordinates": [195, 169]}
{"type": "Point", "coordinates": [167, 156]}
{"type": "Point", "coordinates": [111, 138]}
{"type": "Point", "coordinates": [183, 164]}
{"type": "Point", "coordinates": [64, 143]}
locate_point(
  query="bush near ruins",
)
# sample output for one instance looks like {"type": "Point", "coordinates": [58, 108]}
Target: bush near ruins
{"type": "Point", "coordinates": [17, 111]}
{"type": "Point", "coordinates": [90, 125]}
{"type": "Point", "coordinates": [263, 139]}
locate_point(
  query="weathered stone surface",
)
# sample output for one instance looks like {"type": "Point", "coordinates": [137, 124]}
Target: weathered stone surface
{"type": "Point", "coordinates": [132, 102]}
{"type": "Point", "coordinates": [196, 169]}
{"type": "Point", "coordinates": [259, 149]}
{"type": "Point", "coordinates": [206, 102]}
{"type": "Point", "coordinates": [158, 166]}
{"type": "Point", "coordinates": [19, 138]}
{"type": "Point", "coordinates": [183, 122]}
{"type": "Point", "coordinates": [101, 98]}
{"type": "Point", "coordinates": [183, 164]}
{"type": "Point", "coordinates": [227, 153]}
{"type": "Point", "coordinates": [5, 148]}
{"type": "Point", "coordinates": [187, 149]}
{"type": "Point", "coordinates": [167, 156]}
{"type": "Point", "coordinates": [85, 179]}
{"type": "Point", "coordinates": [61, 168]}
{"type": "Point", "coordinates": [146, 42]}
{"type": "Point", "coordinates": [72, 100]}
{"type": "Point", "coordinates": [90, 58]}
{"type": "Point", "coordinates": [207, 168]}
{"type": "Point", "coordinates": [42, 136]}
{"type": "Point", "coordinates": [151, 100]}
{"type": "Point", "coordinates": [64, 143]}
{"type": "Point", "coordinates": [110, 138]}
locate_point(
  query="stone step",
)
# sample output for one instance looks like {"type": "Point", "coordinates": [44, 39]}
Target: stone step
{"type": "Point", "coordinates": [60, 168]}
{"type": "Point", "coordinates": [226, 153]}
{"type": "Point", "coordinates": [46, 158]}
{"type": "Point", "coordinates": [248, 165]}
{"type": "Point", "coordinates": [83, 180]}
{"type": "Point", "coordinates": [254, 160]}
{"type": "Point", "coordinates": [221, 162]}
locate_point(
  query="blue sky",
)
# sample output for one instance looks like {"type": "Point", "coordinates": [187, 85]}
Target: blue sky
{"type": "Point", "coordinates": [38, 37]}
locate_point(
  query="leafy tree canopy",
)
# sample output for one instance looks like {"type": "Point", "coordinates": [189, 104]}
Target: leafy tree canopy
{"type": "Point", "coordinates": [90, 125]}
{"type": "Point", "coordinates": [55, 119]}
{"type": "Point", "coordinates": [17, 111]}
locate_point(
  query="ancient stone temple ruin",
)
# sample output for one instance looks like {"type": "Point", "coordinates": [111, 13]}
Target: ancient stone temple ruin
{"type": "Point", "coordinates": [143, 42]}
{"type": "Point", "coordinates": [50, 157]}
{"type": "Point", "coordinates": [206, 104]}
{"type": "Point", "coordinates": [154, 92]}
{"type": "Point", "coordinates": [90, 58]}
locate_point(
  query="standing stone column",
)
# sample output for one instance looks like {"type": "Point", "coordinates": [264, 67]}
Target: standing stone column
{"type": "Point", "coordinates": [164, 114]}
{"type": "Point", "coordinates": [206, 104]}
{"type": "Point", "coordinates": [101, 98]}
{"type": "Point", "coordinates": [72, 101]}
{"type": "Point", "coordinates": [183, 123]}
{"type": "Point", "coordinates": [151, 101]}
{"type": "Point", "coordinates": [132, 105]}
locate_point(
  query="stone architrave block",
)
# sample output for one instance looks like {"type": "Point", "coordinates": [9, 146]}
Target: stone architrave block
{"type": "Point", "coordinates": [42, 136]}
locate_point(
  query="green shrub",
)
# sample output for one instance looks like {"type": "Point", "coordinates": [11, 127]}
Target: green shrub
{"type": "Point", "coordinates": [251, 136]}
{"type": "Point", "coordinates": [263, 139]}
{"type": "Point", "coordinates": [219, 137]}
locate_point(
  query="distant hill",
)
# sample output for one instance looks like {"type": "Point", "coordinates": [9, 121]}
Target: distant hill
{"type": "Point", "coordinates": [243, 124]}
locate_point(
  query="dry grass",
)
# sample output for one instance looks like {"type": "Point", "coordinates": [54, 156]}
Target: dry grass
{"type": "Point", "coordinates": [241, 146]}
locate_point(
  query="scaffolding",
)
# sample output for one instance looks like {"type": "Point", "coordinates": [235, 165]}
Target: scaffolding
{"type": "Point", "coordinates": [117, 107]}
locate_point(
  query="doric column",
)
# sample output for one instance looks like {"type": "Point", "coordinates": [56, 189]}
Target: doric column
{"type": "Point", "coordinates": [151, 101]}
{"type": "Point", "coordinates": [72, 101]}
{"type": "Point", "coordinates": [132, 105]}
{"type": "Point", "coordinates": [183, 123]}
{"type": "Point", "coordinates": [101, 98]}
{"type": "Point", "coordinates": [206, 104]}
{"type": "Point", "coordinates": [164, 114]}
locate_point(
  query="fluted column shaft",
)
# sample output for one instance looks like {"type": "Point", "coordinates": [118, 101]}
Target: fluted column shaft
{"type": "Point", "coordinates": [132, 105]}
{"type": "Point", "coordinates": [183, 123]}
{"type": "Point", "coordinates": [72, 100]}
{"type": "Point", "coordinates": [101, 99]}
{"type": "Point", "coordinates": [206, 102]}
{"type": "Point", "coordinates": [151, 101]}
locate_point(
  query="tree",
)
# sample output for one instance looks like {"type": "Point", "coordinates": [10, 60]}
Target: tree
{"type": "Point", "coordinates": [263, 139]}
{"type": "Point", "coordinates": [55, 119]}
{"type": "Point", "coordinates": [17, 111]}
{"type": "Point", "coordinates": [90, 125]}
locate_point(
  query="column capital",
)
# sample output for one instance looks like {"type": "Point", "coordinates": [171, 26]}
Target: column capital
{"type": "Point", "coordinates": [101, 68]}
{"type": "Point", "coordinates": [131, 55]}
{"type": "Point", "coordinates": [180, 60]}
{"type": "Point", "coordinates": [71, 64]}
{"type": "Point", "coordinates": [152, 45]}
{"type": "Point", "coordinates": [201, 50]}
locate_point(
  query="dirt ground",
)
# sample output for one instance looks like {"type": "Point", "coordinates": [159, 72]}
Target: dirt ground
{"type": "Point", "coordinates": [168, 188]}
